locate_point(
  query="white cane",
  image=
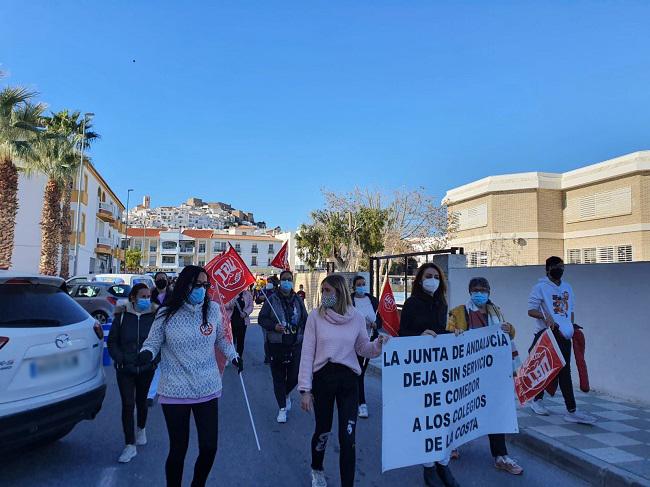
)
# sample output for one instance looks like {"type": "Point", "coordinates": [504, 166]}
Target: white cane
{"type": "Point", "coordinates": [250, 414]}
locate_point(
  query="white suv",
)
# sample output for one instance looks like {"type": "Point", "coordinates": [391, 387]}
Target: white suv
{"type": "Point", "coordinates": [51, 373]}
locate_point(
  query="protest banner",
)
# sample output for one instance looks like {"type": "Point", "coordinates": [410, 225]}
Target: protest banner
{"type": "Point", "coordinates": [544, 362]}
{"type": "Point", "coordinates": [441, 392]}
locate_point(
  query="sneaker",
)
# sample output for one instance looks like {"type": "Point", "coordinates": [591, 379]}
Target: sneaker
{"type": "Point", "coordinates": [318, 478]}
{"type": "Point", "coordinates": [539, 408]}
{"type": "Point", "coordinates": [288, 406]}
{"type": "Point", "coordinates": [129, 452]}
{"type": "Point", "coordinates": [579, 417]}
{"type": "Point", "coordinates": [363, 411]}
{"type": "Point", "coordinates": [140, 437]}
{"type": "Point", "coordinates": [282, 416]}
{"type": "Point", "coordinates": [508, 464]}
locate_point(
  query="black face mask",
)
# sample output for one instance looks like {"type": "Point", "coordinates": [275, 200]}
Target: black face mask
{"type": "Point", "coordinates": [161, 284]}
{"type": "Point", "coordinates": [556, 273]}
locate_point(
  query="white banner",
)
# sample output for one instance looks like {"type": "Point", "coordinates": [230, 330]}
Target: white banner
{"type": "Point", "coordinates": [439, 393]}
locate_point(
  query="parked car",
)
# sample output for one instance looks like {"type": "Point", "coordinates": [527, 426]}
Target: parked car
{"type": "Point", "coordinates": [99, 298]}
{"type": "Point", "coordinates": [130, 279]}
{"type": "Point", "coordinates": [81, 278]}
{"type": "Point", "coordinates": [51, 373]}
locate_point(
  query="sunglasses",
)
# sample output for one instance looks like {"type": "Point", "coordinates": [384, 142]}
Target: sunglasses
{"type": "Point", "coordinates": [205, 285]}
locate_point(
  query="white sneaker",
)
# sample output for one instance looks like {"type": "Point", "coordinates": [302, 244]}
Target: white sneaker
{"type": "Point", "coordinates": [579, 417]}
{"type": "Point", "coordinates": [129, 452]}
{"type": "Point", "coordinates": [539, 408]}
{"type": "Point", "coordinates": [140, 437]}
{"type": "Point", "coordinates": [288, 406]}
{"type": "Point", "coordinates": [282, 416]}
{"type": "Point", "coordinates": [318, 478]}
{"type": "Point", "coordinates": [363, 411]}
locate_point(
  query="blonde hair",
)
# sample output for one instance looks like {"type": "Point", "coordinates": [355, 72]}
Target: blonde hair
{"type": "Point", "coordinates": [343, 298]}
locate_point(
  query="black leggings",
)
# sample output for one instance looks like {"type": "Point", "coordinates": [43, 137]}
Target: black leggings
{"type": "Point", "coordinates": [238, 334]}
{"type": "Point", "coordinates": [206, 418]}
{"type": "Point", "coordinates": [285, 364]}
{"type": "Point", "coordinates": [363, 362]}
{"type": "Point", "coordinates": [564, 377]}
{"type": "Point", "coordinates": [335, 382]}
{"type": "Point", "coordinates": [133, 391]}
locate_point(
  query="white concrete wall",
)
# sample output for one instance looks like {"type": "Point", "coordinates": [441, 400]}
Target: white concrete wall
{"type": "Point", "coordinates": [611, 304]}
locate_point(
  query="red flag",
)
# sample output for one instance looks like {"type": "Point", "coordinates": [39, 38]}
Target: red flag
{"type": "Point", "coordinates": [388, 310]}
{"type": "Point", "coordinates": [228, 275]}
{"type": "Point", "coordinates": [540, 368]}
{"type": "Point", "coordinates": [281, 260]}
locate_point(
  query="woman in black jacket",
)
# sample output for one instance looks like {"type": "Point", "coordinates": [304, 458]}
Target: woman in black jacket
{"type": "Point", "coordinates": [130, 328]}
{"type": "Point", "coordinates": [425, 313]}
{"type": "Point", "coordinates": [367, 305]}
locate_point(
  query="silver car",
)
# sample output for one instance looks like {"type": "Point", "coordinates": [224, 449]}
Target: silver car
{"type": "Point", "coordinates": [99, 298]}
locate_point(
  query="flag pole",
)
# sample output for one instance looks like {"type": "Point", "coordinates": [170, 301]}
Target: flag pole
{"type": "Point", "coordinates": [272, 308]}
{"type": "Point", "coordinates": [250, 413]}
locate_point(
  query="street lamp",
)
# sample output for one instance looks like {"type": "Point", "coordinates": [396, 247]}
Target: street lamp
{"type": "Point", "coordinates": [126, 231]}
{"type": "Point", "coordinates": [86, 119]}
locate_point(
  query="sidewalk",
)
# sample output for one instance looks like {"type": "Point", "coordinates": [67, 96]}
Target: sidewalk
{"type": "Point", "coordinates": [613, 452]}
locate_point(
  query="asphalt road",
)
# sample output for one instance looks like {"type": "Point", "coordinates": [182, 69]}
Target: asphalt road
{"type": "Point", "coordinates": [88, 455]}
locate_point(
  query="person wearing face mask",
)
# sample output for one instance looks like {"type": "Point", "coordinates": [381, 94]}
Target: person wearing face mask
{"type": "Point", "coordinates": [480, 311]}
{"type": "Point", "coordinates": [185, 333]}
{"type": "Point", "coordinates": [335, 334]}
{"type": "Point", "coordinates": [367, 305]}
{"type": "Point", "coordinates": [130, 328]}
{"type": "Point", "coordinates": [283, 318]}
{"type": "Point", "coordinates": [161, 289]}
{"type": "Point", "coordinates": [551, 303]}
{"type": "Point", "coordinates": [425, 313]}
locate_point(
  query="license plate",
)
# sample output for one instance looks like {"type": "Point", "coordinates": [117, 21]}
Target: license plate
{"type": "Point", "coordinates": [53, 365]}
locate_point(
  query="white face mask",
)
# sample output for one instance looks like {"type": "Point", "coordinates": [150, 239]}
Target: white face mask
{"type": "Point", "coordinates": [430, 285]}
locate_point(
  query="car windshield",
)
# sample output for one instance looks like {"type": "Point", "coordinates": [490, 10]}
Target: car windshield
{"type": "Point", "coordinates": [37, 305]}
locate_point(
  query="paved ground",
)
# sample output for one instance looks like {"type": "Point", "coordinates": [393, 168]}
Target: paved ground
{"type": "Point", "coordinates": [87, 457]}
{"type": "Point", "coordinates": [620, 438]}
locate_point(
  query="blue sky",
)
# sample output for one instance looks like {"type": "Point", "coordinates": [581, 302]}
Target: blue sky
{"type": "Point", "coordinates": [262, 104]}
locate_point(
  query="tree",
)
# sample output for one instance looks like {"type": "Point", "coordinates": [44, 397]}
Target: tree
{"type": "Point", "coordinates": [19, 123]}
{"type": "Point", "coordinates": [132, 258]}
{"type": "Point", "coordinates": [356, 225]}
{"type": "Point", "coordinates": [78, 132]}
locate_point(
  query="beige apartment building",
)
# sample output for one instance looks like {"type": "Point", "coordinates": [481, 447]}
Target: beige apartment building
{"type": "Point", "coordinates": [596, 214]}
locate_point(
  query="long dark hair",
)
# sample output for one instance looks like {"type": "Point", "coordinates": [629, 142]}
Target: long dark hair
{"type": "Point", "coordinates": [182, 289]}
{"type": "Point", "coordinates": [440, 296]}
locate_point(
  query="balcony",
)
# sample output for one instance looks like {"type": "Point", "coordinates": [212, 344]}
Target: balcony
{"type": "Point", "coordinates": [106, 212]}
{"type": "Point", "coordinates": [186, 249]}
{"type": "Point", "coordinates": [104, 246]}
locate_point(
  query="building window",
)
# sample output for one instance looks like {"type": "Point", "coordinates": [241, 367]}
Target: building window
{"type": "Point", "coordinates": [219, 247]}
{"type": "Point", "coordinates": [271, 249]}
{"type": "Point", "coordinates": [477, 259]}
{"type": "Point", "coordinates": [474, 217]}
{"type": "Point", "coordinates": [169, 245]}
{"type": "Point", "coordinates": [169, 259]}
{"type": "Point", "coordinates": [254, 249]}
{"type": "Point", "coordinates": [254, 260]}
{"type": "Point", "coordinates": [624, 253]}
{"type": "Point", "coordinates": [201, 247]}
{"type": "Point", "coordinates": [600, 205]}
{"type": "Point", "coordinates": [153, 246]}
{"type": "Point", "coordinates": [137, 245]}
{"type": "Point", "coordinates": [605, 255]}
{"type": "Point", "coordinates": [238, 247]}
{"type": "Point", "coordinates": [201, 262]}
{"type": "Point", "coordinates": [573, 256]}
{"type": "Point", "coordinates": [589, 256]}
{"type": "Point", "coordinates": [152, 260]}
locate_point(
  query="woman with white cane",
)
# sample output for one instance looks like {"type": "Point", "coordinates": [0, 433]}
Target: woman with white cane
{"type": "Point", "coordinates": [185, 333]}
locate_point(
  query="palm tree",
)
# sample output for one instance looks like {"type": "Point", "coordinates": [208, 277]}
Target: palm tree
{"type": "Point", "coordinates": [67, 124]}
{"type": "Point", "coordinates": [19, 122]}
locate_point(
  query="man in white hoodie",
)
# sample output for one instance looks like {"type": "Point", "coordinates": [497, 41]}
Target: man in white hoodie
{"type": "Point", "coordinates": [551, 303]}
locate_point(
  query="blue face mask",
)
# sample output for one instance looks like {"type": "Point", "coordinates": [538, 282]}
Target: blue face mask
{"type": "Point", "coordinates": [286, 285]}
{"type": "Point", "coordinates": [479, 299]}
{"type": "Point", "coordinates": [360, 290]}
{"type": "Point", "coordinates": [142, 304]}
{"type": "Point", "coordinates": [197, 295]}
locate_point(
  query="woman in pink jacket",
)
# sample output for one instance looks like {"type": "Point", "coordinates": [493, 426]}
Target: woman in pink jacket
{"type": "Point", "coordinates": [334, 335]}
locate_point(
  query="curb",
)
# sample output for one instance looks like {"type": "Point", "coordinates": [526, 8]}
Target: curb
{"type": "Point", "coordinates": [591, 469]}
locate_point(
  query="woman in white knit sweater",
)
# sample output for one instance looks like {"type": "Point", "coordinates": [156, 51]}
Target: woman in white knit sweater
{"type": "Point", "coordinates": [185, 333]}
{"type": "Point", "coordinates": [329, 369]}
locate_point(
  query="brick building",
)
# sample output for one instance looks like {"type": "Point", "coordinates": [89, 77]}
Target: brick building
{"type": "Point", "coordinates": [596, 214]}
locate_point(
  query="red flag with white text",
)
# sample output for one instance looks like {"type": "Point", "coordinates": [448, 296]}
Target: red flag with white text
{"type": "Point", "coordinates": [388, 310]}
{"type": "Point", "coordinates": [229, 275]}
{"type": "Point", "coordinates": [281, 260]}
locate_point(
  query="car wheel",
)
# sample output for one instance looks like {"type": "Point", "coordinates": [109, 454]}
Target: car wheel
{"type": "Point", "coordinates": [100, 316]}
